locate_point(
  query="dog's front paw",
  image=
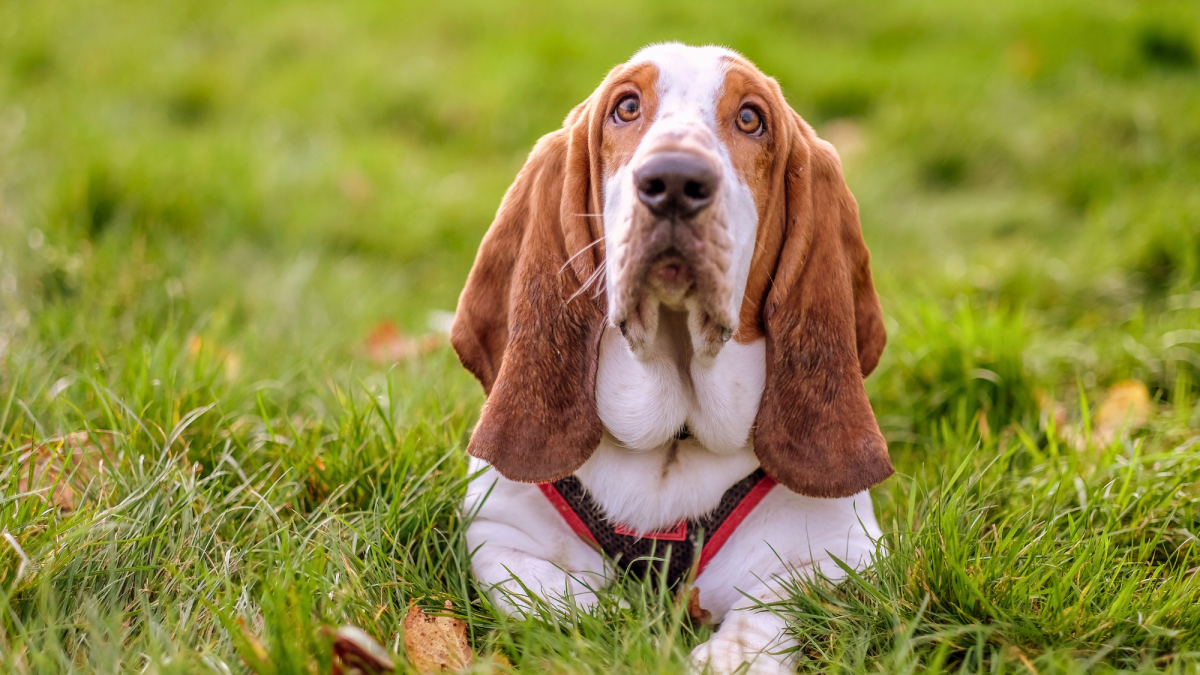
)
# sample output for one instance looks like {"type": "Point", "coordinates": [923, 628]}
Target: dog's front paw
{"type": "Point", "coordinates": [723, 656]}
{"type": "Point", "coordinates": [543, 580]}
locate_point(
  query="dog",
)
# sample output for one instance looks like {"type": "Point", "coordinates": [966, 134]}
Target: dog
{"type": "Point", "coordinates": [672, 316]}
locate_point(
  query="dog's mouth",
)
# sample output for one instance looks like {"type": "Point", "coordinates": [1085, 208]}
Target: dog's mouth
{"type": "Point", "coordinates": [670, 276]}
{"type": "Point", "coordinates": [677, 278]}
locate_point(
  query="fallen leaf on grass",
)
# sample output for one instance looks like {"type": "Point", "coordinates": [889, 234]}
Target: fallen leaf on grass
{"type": "Point", "coordinates": [386, 344]}
{"type": "Point", "coordinates": [1126, 407]}
{"type": "Point", "coordinates": [436, 643]}
{"type": "Point", "coordinates": [57, 470]}
{"type": "Point", "coordinates": [357, 653]}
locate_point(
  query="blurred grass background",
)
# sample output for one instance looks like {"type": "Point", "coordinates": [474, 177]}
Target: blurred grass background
{"type": "Point", "coordinates": [227, 204]}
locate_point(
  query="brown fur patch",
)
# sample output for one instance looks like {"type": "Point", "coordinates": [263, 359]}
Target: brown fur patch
{"type": "Point", "coordinates": [528, 325]}
{"type": "Point", "coordinates": [517, 329]}
{"type": "Point", "coordinates": [815, 431]}
{"type": "Point", "coordinates": [619, 141]}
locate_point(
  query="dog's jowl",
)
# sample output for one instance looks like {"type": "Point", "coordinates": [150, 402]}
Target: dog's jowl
{"type": "Point", "coordinates": [672, 316]}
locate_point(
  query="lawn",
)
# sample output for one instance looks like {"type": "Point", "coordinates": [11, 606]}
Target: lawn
{"type": "Point", "coordinates": [230, 234]}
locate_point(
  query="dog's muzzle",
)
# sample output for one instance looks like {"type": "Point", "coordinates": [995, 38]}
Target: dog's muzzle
{"type": "Point", "coordinates": [677, 257]}
{"type": "Point", "coordinates": [676, 188]}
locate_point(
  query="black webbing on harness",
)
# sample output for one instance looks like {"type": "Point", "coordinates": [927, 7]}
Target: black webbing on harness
{"type": "Point", "coordinates": [645, 555]}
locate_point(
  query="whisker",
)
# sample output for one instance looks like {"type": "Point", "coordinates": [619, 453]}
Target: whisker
{"type": "Point", "coordinates": [599, 288]}
{"type": "Point", "coordinates": [579, 253]}
{"type": "Point", "coordinates": [601, 283]}
{"type": "Point", "coordinates": [583, 287]}
{"type": "Point", "coordinates": [589, 215]}
{"type": "Point", "coordinates": [595, 275]}
{"type": "Point", "coordinates": [771, 275]}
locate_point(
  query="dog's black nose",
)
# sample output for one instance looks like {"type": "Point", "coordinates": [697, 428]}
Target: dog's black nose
{"type": "Point", "coordinates": [676, 184]}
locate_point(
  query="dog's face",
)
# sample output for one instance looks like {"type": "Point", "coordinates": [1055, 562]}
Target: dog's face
{"type": "Point", "coordinates": [689, 142]}
{"type": "Point", "coordinates": [685, 182]}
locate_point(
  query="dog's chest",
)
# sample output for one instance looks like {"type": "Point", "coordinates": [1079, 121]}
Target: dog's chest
{"type": "Point", "coordinates": [644, 404]}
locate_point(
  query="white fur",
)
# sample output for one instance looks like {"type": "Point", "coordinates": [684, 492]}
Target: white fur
{"type": "Point", "coordinates": [520, 535]}
{"type": "Point", "coordinates": [643, 401]}
{"type": "Point", "coordinates": [640, 490]}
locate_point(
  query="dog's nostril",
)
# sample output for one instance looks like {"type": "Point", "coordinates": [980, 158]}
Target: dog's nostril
{"type": "Point", "coordinates": [676, 184]}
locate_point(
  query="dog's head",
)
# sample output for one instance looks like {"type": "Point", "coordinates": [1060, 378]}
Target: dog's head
{"type": "Point", "coordinates": [684, 181]}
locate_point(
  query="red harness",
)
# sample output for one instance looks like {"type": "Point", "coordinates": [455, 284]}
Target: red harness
{"type": "Point", "coordinates": [642, 553]}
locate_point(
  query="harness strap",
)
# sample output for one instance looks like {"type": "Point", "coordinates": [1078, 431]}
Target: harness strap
{"type": "Point", "coordinates": [673, 548]}
{"type": "Point", "coordinates": [743, 509]}
{"type": "Point", "coordinates": [564, 509]}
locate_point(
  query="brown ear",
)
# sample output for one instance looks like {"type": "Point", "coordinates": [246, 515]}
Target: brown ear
{"type": "Point", "coordinates": [815, 431]}
{"type": "Point", "coordinates": [526, 327]}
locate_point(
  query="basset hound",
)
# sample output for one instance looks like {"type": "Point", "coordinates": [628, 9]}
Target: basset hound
{"type": "Point", "coordinates": [672, 316]}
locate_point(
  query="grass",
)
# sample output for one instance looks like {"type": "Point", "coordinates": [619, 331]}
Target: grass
{"type": "Point", "coordinates": [206, 209]}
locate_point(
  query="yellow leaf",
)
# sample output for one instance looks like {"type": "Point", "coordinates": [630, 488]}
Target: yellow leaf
{"type": "Point", "coordinates": [436, 643]}
{"type": "Point", "coordinates": [1126, 407]}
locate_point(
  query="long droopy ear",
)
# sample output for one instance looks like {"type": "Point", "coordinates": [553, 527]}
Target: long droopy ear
{"type": "Point", "coordinates": [815, 431]}
{"type": "Point", "coordinates": [526, 326]}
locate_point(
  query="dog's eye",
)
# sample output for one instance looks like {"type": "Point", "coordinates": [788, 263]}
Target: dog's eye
{"type": "Point", "coordinates": [628, 109]}
{"type": "Point", "coordinates": [749, 121]}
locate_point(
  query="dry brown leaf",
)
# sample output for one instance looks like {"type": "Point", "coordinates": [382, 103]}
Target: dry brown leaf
{"type": "Point", "coordinates": [698, 614]}
{"type": "Point", "coordinates": [355, 652]}
{"type": "Point", "coordinates": [61, 468]}
{"type": "Point", "coordinates": [386, 344]}
{"type": "Point", "coordinates": [436, 643]}
{"type": "Point", "coordinates": [1126, 407]}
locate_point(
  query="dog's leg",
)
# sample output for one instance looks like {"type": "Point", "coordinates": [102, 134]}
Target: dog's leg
{"type": "Point", "coordinates": [519, 541]}
{"type": "Point", "coordinates": [758, 638]}
{"type": "Point", "coordinates": [787, 535]}
{"type": "Point", "coordinates": [506, 573]}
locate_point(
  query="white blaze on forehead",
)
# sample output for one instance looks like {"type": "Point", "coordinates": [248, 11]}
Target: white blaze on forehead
{"type": "Point", "coordinates": [690, 79]}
